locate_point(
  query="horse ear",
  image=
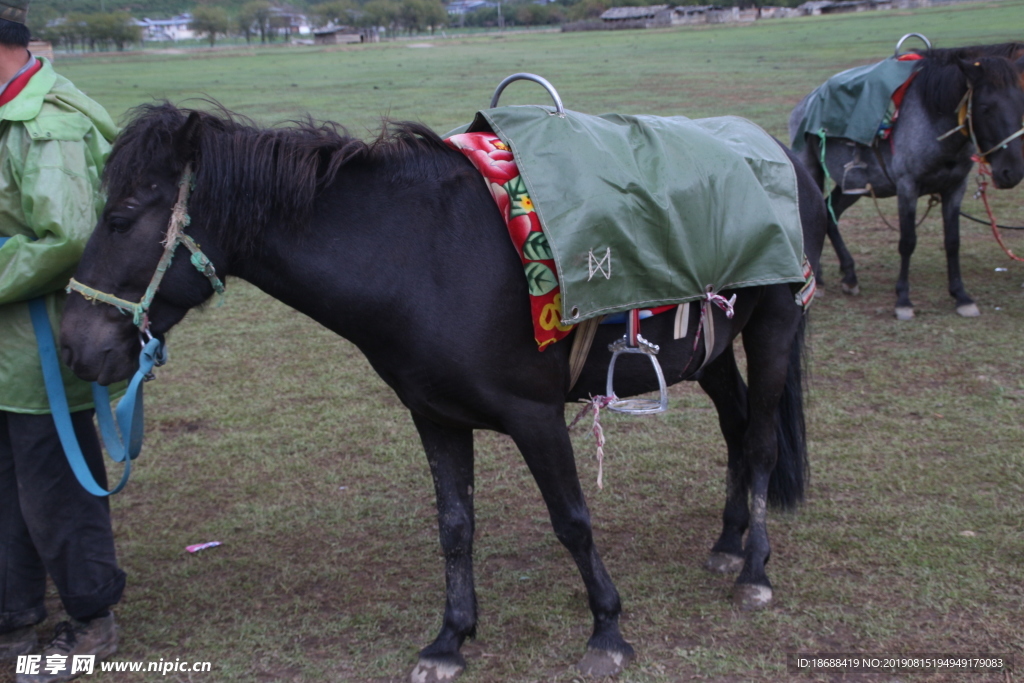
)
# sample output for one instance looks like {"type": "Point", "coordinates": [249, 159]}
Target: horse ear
{"type": "Point", "coordinates": [972, 69]}
{"type": "Point", "coordinates": [186, 140]}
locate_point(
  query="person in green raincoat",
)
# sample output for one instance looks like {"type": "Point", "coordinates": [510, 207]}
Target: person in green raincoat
{"type": "Point", "coordinates": [53, 142]}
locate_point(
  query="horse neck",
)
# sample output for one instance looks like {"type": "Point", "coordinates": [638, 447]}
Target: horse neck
{"type": "Point", "coordinates": [375, 243]}
{"type": "Point", "coordinates": [920, 125]}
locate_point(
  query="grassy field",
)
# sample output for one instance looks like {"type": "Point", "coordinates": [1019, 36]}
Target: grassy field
{"type": "Point", "coordinates": [273, 436]}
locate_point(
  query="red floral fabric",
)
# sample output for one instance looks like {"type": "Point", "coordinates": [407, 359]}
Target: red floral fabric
{"type": "Point", "coordinates": [493, 159]}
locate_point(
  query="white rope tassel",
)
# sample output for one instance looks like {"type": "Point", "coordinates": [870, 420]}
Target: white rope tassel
{"type": "Point", "coordinates": [596, 403]}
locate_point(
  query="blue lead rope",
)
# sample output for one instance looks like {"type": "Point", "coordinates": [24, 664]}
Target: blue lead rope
{"type": "Point", "coordinates": [121, 436]}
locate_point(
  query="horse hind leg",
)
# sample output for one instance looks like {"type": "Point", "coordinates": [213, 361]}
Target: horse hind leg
{"type": "Point", "coordinates": [450, 454]}
{"type": "Point", "coordinates": [722, 381]}
{"type": "Point", "coordinates": [840, 202]}
{"type": "Point", "coordinates": [543, 439]}
{"type": "Point", "coordinates": [774, 444]}
{"type": "Point", "coordinates": [761, 438]}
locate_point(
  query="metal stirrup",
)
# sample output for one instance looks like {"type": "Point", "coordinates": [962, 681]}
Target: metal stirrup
{"type": "Point", "coordinates": [634, 343]}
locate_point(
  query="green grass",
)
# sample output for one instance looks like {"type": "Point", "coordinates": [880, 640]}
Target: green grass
{"type": "Point", "coordinates": [261, 416]}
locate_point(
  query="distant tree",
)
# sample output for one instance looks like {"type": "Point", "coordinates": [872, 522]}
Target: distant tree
{"type": "Point", "coordinates": [245, 23]}
{"type": "Point", "coordinates": [69, 31]}
{"type": "Point", "coordinates": [590, 9]}
{"type": "Point", "coordinates": [384, 13]}
{"type": "Point", "coordinates": [209, 21]}
{"type": "Point", "coordinates": [117, 28]}
{"type": "Point", "coordinates": [38, 19]}
{"type": "Point", "coordinates": [279, 25]}
{"type": "Point", "coordinates": [339, 12]}
{"type": "Point", "coordinates": [532, 14]}
{"type": "Point", "coordinates": [435, 15]}
{"type": "Point", "coordinates": [412, 14]}
{"type": "Point", "coordinates": [257, 13]}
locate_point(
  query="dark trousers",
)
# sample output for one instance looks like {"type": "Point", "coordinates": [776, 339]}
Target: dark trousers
{"type": "Point", "coordinates": [49, 524]}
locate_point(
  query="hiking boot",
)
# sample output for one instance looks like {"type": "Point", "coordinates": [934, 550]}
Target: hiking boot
{"type": "Point", "coordinates": [72, 639]}
{"type": "Point", "coordinates": [20, 641]}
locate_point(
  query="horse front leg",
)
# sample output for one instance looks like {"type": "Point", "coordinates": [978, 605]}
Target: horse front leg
{"type": "Point", "coordinates": [722, 382]}
{"type": "Point", "coordinates": [450, 454]}
{"type": "Point", "coordinates": [907, 205]}
{"type": "Point", "coordinates": [542, 437]}
{"type": "Point", "coordinates": [951, 201]}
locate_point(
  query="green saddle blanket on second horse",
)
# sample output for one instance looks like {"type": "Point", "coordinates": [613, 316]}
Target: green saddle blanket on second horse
{"type": "Point", "coordinates": [642, 211]}
{"type": "Point", "coordinates": [853, 104]}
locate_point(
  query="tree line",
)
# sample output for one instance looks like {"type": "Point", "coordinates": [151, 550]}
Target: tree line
{"type": "Point", "coordinates": [264, 21]}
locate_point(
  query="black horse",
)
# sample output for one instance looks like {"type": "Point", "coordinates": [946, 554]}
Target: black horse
{"type": "Point", "coordinates": [930, 151]}
{"type": "Point", "coordinates": [389, 244]}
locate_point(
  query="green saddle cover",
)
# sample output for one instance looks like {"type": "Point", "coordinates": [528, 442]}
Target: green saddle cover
{"type": "Point", "coordinates": [853, 103]}
{"type": "Point", "coordinates": [642, 211]}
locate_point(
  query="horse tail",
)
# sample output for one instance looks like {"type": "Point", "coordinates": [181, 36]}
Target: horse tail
{"type": "Point", "coordinates": [786, 485]}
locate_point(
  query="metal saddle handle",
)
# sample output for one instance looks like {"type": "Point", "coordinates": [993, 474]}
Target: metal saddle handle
{"type": "Point", "coordinates": [632, 342]}
{"type": "Point", "coordinates": [920, 36]}
{"type": "Point", "coordinates": [559, 108]}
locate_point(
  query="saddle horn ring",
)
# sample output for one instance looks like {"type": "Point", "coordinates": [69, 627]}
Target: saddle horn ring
{"type": "Point", "coordinates": [559, 108]}
{"type": "Point", "coordinates": [921, 36]}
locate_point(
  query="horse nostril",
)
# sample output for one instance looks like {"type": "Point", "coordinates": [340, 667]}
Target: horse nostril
{"type": "Point", "coordinates": [67, 355]}
{"type": "Point", "coordinates": [1007, 177]}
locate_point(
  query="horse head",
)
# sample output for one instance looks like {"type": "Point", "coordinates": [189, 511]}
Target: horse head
{"type": "Point", "coordinates": [996, 116]}
{"type": "Point", "coordinates": [128, 261]}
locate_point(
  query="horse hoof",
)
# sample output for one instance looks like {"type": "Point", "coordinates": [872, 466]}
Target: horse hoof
{"type": "Point", "coordinates": [602, 663]}
{"type": "Point", "coordinates": [968, 310]}
{"type": "Point", "coordinates": [434, 671]}
{"type": "Point", "coordinates": [723, 563]}
{"type": "Point", "coordinates": [749, 597]}
{"type": "Point", "coordinates": [852, 290]}
{"type": "Point", "coordinates": [904, 312]}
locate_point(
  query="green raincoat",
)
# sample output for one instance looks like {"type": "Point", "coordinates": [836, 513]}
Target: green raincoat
{"type": "Point", "coordinates": [53, 143]}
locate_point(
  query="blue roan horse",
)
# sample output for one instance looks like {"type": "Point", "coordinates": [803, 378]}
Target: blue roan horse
{"type": "Point", "coordinates": [388, 244]}
{"type": "Point", "coordinates": [982, 83]}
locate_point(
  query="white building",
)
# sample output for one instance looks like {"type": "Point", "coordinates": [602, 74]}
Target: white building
{"type": "Point", "coordinates": [174, 29]}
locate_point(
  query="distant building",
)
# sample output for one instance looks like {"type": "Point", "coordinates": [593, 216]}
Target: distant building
{"type": "Point", "coordinates": [456, 7]}
{"type": "Point", "coordinates": [665, 15]}
{"type": "Point", "coordinates": [289, 21]}
{"type": "Point", "coordinates": [41, 48]}
{"type": "Point", "coordinates": [161, 30]}
{"type": "Point", "coordinates": [340, 35]}
{"type": "Point", "coordinates": [649, 13]}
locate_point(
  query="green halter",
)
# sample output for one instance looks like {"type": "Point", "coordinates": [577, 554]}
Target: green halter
{"type": "Point", "coordinates": [175, 236]}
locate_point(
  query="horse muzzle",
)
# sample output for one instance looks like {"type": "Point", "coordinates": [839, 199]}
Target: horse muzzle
{"type": "Point", "coordinates": [95, 349]}
{"type": "Point", "coordinates": [1008, 176]}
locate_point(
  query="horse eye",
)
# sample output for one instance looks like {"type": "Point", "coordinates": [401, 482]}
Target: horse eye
{"type": "Point", "coordinates": [119, 224]}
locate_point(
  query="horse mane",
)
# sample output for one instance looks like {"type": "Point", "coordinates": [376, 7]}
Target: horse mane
{"type": "Point", "coordinates": [248, 177]}
{"type": "Point", "coordinates": [943, 83]}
